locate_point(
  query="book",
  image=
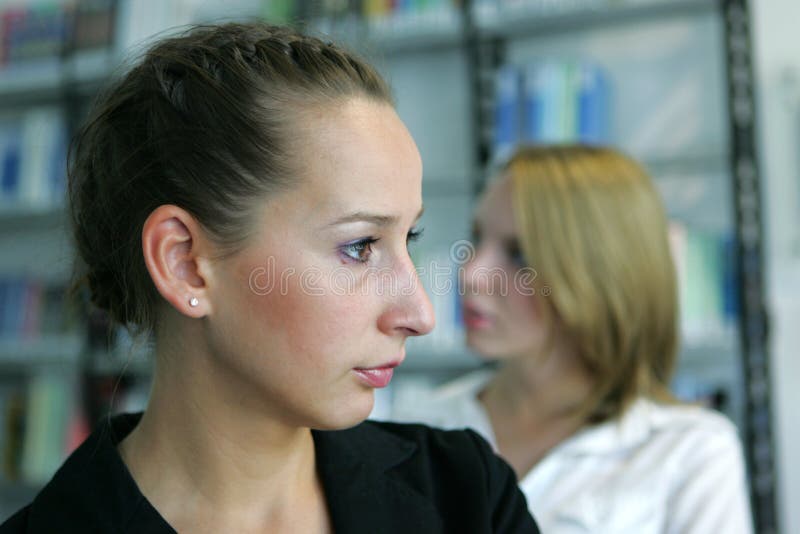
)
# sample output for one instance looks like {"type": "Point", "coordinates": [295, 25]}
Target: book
{"type": "Point", "coordinates": [33, 152]}
{"type": "Point", "coordinates": [507, 110]}
{"type": "Point", "coordinates": [560, 102]}
{"type": "Point", "coordinates": [707, 282]}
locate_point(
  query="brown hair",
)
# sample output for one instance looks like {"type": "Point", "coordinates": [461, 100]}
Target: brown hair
{"type": "Point", "coordinates": [205, 122]}
{"type": "Point", "coordinates": [595, 230]}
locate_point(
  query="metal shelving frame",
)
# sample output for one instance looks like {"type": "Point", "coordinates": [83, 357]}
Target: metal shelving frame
{"type": "Point", "coordinates": [753, 319]}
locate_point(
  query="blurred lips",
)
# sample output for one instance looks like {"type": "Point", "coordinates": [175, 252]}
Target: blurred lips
{"type": "Point", "coordinates": [475, 318]}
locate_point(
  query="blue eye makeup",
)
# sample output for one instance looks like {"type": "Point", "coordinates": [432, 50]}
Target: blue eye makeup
{"type": "Point", "coordinates": [359, 251]}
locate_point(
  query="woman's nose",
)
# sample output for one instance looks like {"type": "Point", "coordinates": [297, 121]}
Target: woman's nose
{"type": "Point", "coordinates": [411, 313]}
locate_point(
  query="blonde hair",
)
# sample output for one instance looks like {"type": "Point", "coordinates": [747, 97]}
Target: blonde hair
{"type": "Point", "coordinates": [593, 227]}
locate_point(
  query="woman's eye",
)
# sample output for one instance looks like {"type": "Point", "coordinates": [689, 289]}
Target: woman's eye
{"type": "Point", "coordinates": [476, 235]}
{"type": "Point", "coordinates": [514, 253]}
{"type": "Point", "coordinates": [360, 250]}
{"type": "Point", "coordinates": [414, 234]}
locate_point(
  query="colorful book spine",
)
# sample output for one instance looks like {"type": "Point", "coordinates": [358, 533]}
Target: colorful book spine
{"type": "Point", "coordinates": [707, 283]}
{"type": "Point", "coordinates": [47, 414]}
{"type": "Point", "coordinates": [508, 103]}
{"type": "Point", "coordinates": [557, 102]}
{"type": "Point", "coordinates": [30, 310]}
{"type": "Point", "coordinates": [33, 32]}
{"type": "Point", "coordinates": [593, 104]}
{"type": "Point", "coordinates": [33, 150]}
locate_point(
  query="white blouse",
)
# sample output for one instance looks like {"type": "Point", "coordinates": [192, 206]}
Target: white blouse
{"type": "Point", "coordinates": [659, 469]}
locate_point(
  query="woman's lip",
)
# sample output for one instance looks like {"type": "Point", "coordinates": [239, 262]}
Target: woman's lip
{"type": "Point", "coordinates": [379, 376]}
{"type": "Point", "coordinates": [475, 319]}
{"type": "Point", "coordinates": [376, 377]}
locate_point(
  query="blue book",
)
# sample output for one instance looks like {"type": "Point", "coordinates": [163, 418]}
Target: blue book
{"type": "Point", "coordinates": [58, 161]}
{"type": "Point", "coordinates": [3, 292]}
{"type": "Point", "coordinates": [15, 302]}
{"type": "Point", "coordinates": [533, 104]}
{"type": "Point", "coordinates": [9, 161]}
{"type": "Point", "coordinates": [508, 87]}
{"type": "Point", "coordinates": [554, 88]}
{"type": "Point", "coordinates": [592, 105]}
{"type": "Point", "coordinates": [730, 280]}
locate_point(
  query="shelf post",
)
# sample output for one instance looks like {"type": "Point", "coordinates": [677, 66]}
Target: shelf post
{"type": "Point", "coordinates": [753, 320]}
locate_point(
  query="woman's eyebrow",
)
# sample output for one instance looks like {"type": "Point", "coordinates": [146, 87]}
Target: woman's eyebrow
{"type": "Point", "coordinates": [373, 218]}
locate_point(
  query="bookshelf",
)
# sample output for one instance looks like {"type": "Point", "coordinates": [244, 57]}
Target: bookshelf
{"type": "Point", "coordinates": [442, 63]}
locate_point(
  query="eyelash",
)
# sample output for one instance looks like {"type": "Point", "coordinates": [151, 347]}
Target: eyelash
{"type": "Point", "coordinates": [365, 245]}
{"type": "Point", "coordinates": [414, 235]}
{"type": "Point", "coordinates": [359, 247]}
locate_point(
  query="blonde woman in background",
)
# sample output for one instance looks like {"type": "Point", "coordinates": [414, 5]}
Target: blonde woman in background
{"type": "Point", "coordinates": [579, 404]}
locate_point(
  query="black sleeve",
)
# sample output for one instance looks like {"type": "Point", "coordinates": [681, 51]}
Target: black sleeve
{"type": "Point", "coordinates": [17, 523]}
{"type": "Point", "coordinates": [508, 505]}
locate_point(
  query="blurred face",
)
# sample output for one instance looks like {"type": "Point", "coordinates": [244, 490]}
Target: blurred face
{"type": "Point", "coordinates": [502, 318]}
{"type": "Point", "coordinates": [314, 314]}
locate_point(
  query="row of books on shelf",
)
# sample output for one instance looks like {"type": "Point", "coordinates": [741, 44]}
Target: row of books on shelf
{"type": "Point", "coordinates": [550, 102]}
{"type": "Point", "coordinates": [33, 31]}
{"type": "Point", "coordinates": [492, 8]}
{"type": "Point", "coordinates": [32, 309]}
{"type": "Point", "coordinates": [400, 15]}
{"type": "Point", "coordinates": [33, 148]}
{"type": "Point", "coordinates": [51, 29]}
{"type": "Point", "coordinates": [44, 419]}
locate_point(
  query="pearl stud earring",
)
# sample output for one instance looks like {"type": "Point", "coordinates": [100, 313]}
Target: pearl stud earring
{"type": "Point", "coordinates": [193, 302]}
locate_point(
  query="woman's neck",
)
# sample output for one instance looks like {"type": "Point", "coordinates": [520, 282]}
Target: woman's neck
{"type": "Point", "coordinates": [205, 459]}
{"type": "Point", "coordinates": [531, 403]}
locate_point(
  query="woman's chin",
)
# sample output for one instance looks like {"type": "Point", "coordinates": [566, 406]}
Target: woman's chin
{"type": "Point", "coordinates": [486, 349]}
{"type": "Point", "coordinates": [347, 416]}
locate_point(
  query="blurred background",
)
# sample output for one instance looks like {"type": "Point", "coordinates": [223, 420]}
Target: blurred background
{"type": "Point", "coordinates": [705, 93]}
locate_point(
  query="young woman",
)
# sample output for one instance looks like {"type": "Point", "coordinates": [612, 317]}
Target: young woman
{"type": "Point", "coordinates": [572, 292]}
{"type": "Point", "coordinates": [236, 194]}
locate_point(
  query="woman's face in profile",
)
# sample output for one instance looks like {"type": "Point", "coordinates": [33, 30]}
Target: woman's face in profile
{"type": "Point", "coordinates": [501, 315]}
{"type": "Point", "coordinates": [314, 313]}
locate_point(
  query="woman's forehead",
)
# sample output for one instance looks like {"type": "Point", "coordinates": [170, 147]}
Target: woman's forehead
{"type": "Point", "coordinates": [495, 210]}
{"type": "Point", "coordinates": [361, 155]}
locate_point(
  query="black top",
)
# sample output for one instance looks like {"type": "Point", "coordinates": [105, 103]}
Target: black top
{"type": "Point", "coordinates": [377, 477]}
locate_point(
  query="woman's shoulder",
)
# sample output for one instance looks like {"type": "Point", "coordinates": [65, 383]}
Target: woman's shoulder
{"type": "Point", "coordinates": [681, 435]}
{"type": "Point", "coordinates": [686, 422]}
{"type": "Point", "coordinates": [659, 430]}
{"type": "Point", "coordinates": [449, 478]}
{"type": "Point", "coordinates": [449, 446]}
{"type": "Point", "coordinates": [17, 522]}
{"type": "Point", "coordinates": [422, 453]}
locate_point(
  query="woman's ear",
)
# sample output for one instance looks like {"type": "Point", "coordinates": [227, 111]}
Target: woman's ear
{"type": "Point", "coordinates": [176, 253]}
